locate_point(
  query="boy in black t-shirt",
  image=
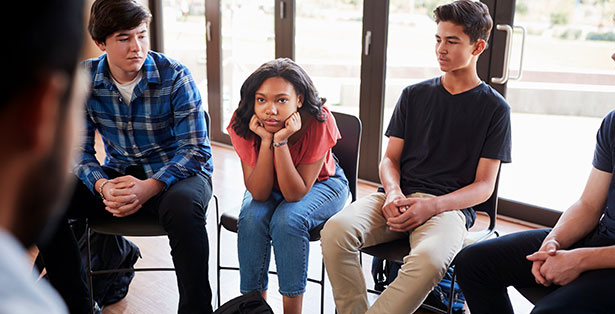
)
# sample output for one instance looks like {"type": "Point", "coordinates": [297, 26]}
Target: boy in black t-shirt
{"type": "Point", "coordinates": [447, 138]}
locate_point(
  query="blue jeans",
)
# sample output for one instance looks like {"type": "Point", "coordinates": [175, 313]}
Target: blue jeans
{"type": "Point", "coordinates": [286, 226]}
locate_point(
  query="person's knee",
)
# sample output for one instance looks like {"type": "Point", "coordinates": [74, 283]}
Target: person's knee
{"type": "Point", "coordinates": [337, 234]}
{"type": "Point", "coordinates": [287, 224]}
{"type": "Point", "coordinates": [181, 209]}
{"type": "Point", "coordinates": [432, 267]}
{"type": "Point", "coordinates": [468, 260]}
{"type": "Point", "coordinates": [252, 220]}
{"type": "Point", "coordinates": [464, 261]}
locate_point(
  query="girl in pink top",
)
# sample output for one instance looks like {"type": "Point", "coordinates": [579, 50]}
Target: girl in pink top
{"type": "Point", "coordinates": [283, 135]}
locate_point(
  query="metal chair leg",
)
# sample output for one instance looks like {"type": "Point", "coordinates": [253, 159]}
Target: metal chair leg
{"type": "Point", "coordinates": [218, 267]}
{"type": "Point", "coordinates": [219, 226]}
{"type": "Point", "coordinates": [90, 277]}
{"type": "Point", "coordinates": [451, 296]}
{"type": "Point", "coordinates": [322, 287]}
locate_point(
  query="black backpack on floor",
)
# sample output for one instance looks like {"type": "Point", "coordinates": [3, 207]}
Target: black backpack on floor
{"type": "Point", "coordinates": [249, 303]}
{"type": "Point", "coordinates": [108, 252]}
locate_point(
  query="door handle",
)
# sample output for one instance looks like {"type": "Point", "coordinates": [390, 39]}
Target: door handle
{"type": "Point", "coordinates": [508, 29]}
{"type": "Point", "coordinates": [368, 42]}
{"type": "Point", "coordinates": [520, 72]}
{"type": "Point", "coordinates": [208, 30]}
{"type": "Point", "coordinates": [282, 10]}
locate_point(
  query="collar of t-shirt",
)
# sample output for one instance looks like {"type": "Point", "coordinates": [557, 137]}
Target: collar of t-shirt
{"type": "Point", "coordinates": [127, 88]}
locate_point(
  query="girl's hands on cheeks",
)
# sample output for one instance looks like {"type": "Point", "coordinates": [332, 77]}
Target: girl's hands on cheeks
{"type": "Point", "coordinates": [257, 127]}
{"type": "Point", "coordinates": [291, 126]}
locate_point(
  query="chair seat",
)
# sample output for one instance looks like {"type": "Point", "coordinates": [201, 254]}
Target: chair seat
{"type": "Point", "coordinates": [395, 251]}
{"type": "Point", "coordinates": [392, 251]}
{"type": "Point", "coordinates": [134, 225]}
{"type": "Point", "coordinates": [476, 236]}
{"type": "Point", "coordinates": [229, 222]}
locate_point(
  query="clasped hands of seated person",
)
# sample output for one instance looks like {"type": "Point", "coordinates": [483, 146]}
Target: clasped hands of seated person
{"type": "Point", "coordinates": [124, 196]}
{"type": "Point", "coordinates": [406, 213]}
{"type": "Point", "coordinates": [554, 266]}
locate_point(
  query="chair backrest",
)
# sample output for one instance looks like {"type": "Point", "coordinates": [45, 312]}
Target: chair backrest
{"type": "Point", "coordinates": [347, 148]}
{"type": "Point", "coordinates": [207, 121]}
{"type": "Point", "coordinates": [490, 206]}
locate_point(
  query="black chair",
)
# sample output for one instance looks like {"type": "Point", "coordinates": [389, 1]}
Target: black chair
{"type": "Point", "coordinates": [132, 226]}
{"type": "Point", "coordinates": [396, 250]}
{"type": "Point", "coordinates": [347, 153]}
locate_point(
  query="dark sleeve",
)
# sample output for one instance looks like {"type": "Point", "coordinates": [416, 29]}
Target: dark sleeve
{"type": "Point", "coordinates": [603, 155]}
{"type": "Point", "coordinates": [498, 142]}
{"type": "Point", "coordinates": [398, 119]}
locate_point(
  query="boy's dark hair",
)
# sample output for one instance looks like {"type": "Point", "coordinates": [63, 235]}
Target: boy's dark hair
{"type": "Point", "coordinates": [472, 15]}
{"type": "Point", "coordinates": [49, 40]}
{"type": "Point", "coordinates": [110, 16]}
{"type": "Point", "coordinates": [291, 72]}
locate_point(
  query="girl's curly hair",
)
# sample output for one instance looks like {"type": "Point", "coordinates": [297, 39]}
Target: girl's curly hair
{"type": "Point", "coordinates": [291, 72]}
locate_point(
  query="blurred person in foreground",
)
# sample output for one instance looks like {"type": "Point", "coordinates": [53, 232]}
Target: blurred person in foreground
{"type": "Point", "coordinates": [39, 127]}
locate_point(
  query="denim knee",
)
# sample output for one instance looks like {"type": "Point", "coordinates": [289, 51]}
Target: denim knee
{"type": "Point", "coordinates": [288, 224]}
{"type": "Point", "coordinates": [254, 217]}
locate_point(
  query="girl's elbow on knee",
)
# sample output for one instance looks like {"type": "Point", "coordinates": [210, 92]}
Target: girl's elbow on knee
{"type": "Point", "coordinates": [293, 196]}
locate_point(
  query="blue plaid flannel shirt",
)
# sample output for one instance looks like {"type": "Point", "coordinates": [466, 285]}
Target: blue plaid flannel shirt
{"type": "Point", "coordinates": [163, 129]}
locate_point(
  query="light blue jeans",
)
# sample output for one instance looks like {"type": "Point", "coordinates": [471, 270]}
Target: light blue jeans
{"type": "Point", "coordinates": [286, 226]}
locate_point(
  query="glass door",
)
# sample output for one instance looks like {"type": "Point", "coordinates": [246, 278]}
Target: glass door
{"type": "Point", "coordinates": [332, 59]}
{"type": "Point", "coordinates": [565, 89]}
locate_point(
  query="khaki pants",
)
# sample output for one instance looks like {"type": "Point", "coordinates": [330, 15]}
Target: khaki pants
{"type": "Point", "coordinates": [433, 246]}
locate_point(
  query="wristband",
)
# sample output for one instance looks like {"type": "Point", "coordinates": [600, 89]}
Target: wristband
{"type": "Point", "coordinates": [100, 189]}
{"type": "Point", "coordinates": [278, 144]}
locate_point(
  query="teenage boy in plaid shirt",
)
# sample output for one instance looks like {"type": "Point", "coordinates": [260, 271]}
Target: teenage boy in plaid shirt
{"type": "Point", "coordinates": [148, 111]}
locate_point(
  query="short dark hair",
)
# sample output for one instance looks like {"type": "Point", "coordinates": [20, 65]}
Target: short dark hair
{"type": "Point", "coordinates": [472, 15]}
{"type": "Point", "coordinates": [49, 40]}
{"type": "Point", "coordinates": [110, 16]}
{"type": "Point", "coordinates": [291, 72]}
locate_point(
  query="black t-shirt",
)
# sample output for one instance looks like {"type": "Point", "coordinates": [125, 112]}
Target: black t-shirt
{"type": "Point", "coordinates": [604, 160]}
{"type": "Point", "coordinates": [445, 135]}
